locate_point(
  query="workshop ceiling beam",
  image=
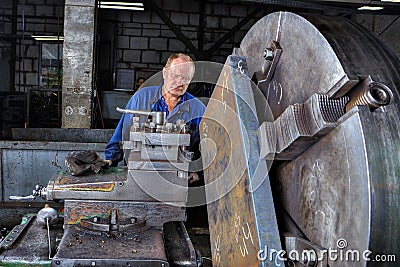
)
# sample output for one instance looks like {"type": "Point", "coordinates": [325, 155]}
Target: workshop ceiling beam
{"type": "Point", "coordinates": [202, 24]}
{"type": "Point", "coordinates": [229, 34]}
{"type": "Point", "coordinates": [181, 37]}
{"type": "Point", "coordinates": [346, 7]}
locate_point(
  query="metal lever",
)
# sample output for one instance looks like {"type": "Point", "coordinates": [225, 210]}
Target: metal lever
{"type": "Point", "coordinates": [39, 191]}
{"type": "Point", "coordinates": [22, 198]}
{"type": "Point", "coordinates": [158, 116]}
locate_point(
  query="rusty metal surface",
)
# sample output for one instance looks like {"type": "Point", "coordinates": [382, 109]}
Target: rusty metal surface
{"type": "Point", "coordinates": [155, 213]}
{"type": "Point", "coordinates": [144, 248]}
{"type": "Point", "coordinates": [32, 247]}
{"type": "Point", "coordinates": [242, 221]}
{"type": "Point", "coordinates": [344, 186]}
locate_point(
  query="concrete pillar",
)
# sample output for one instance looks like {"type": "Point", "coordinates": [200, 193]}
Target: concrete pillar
{"type": "Point", "coordinates": [78, 56]}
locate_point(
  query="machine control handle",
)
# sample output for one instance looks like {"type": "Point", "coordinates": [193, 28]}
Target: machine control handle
{"type": "Point", "coordinates": [22, 198]}
{"type": "Point", "coordinates": [39, 191]}
{"type": "Point", "coordinates": [132, 111]}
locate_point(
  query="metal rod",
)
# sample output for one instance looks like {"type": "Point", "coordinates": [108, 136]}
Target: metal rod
{"type": "Point", "coordinates": [48, 236]}
{"type": "Point", "coordinates": [131, 111]}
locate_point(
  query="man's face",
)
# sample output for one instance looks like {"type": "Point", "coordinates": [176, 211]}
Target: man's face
{"type": "Point", "coordinates": [177, 77]}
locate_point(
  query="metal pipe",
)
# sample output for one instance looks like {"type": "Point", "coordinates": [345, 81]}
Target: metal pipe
{"type": "Point", "coordinates": [158, 116]}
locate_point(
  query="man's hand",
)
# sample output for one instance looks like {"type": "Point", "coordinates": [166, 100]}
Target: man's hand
{"type": "Point", "coordinates": [193, 177]}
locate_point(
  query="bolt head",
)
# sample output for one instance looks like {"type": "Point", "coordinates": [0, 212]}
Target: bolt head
{"type": "Point", "coordinates": [268, 54]}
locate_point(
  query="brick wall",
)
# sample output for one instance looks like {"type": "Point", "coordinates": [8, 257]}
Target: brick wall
{"type": "Point", "coordinates": [35, 17]}
{"type": "Point", "coordinates": [141, 39]}
{"type": "Point", "coordinates": [144, 41]}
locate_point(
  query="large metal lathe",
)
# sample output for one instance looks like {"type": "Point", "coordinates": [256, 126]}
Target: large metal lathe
{"type": "Point", "coordinates": [300, 143]}
{"type": "Point", "coordinates": [123, 216]}
{"type": "Point", "coordinates": [308, 161]}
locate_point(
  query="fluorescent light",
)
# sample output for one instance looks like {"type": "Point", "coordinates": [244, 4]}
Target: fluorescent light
{"type": "Point", "coordinates": [47, 38]}
{"type": "Point", "coordinates": [122, 5]}
{"type": "Point", "coordinates": [394, 1]}
{"type": "Point", "coordinates": [372, 8]}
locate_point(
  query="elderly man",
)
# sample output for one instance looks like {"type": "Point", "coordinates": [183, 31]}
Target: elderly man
{"type": "Point", "coordinates": [170, 97]}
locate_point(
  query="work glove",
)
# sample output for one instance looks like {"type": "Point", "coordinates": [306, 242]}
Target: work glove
{"type": "Point", "coordinates": [85, 162]}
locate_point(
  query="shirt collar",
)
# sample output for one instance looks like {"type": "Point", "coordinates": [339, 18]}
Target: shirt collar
{"type": "Point", "coordinates": [158, 95]}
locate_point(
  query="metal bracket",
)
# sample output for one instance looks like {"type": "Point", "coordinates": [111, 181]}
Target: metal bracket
{"type": "Point", "coordinates": [111, 225]}
{"type": "Point", "coordinates": [272, 54]}
{"type": "Point", "coordinates": [16, 232]}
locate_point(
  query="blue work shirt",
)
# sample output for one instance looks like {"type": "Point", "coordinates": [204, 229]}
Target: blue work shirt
{"type": "Point", "coordinates": [189, 109]}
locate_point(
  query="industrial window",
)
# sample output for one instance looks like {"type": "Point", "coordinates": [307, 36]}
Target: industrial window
{"type": "Point", "coordinates": [50, 69]}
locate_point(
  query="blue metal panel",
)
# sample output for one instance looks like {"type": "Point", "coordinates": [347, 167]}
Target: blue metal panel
{"type": "Point", "coordinates": [26, 164]}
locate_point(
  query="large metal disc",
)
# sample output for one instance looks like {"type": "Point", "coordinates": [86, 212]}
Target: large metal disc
{"type": "Point", "coordinates": [346, 185]}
